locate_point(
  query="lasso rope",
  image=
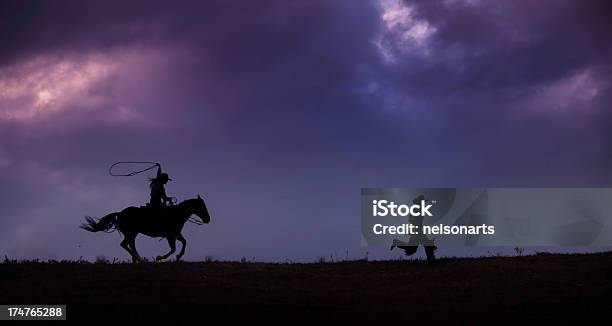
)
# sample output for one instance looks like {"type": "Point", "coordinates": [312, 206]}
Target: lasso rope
{"type": "Point", "coordinates": [154, 164]}
{"type": "Point", "coordinates": [110, 170]}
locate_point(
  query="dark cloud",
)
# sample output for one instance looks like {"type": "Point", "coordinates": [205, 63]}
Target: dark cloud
{"type": "Point", "coordinates": [501, 48]}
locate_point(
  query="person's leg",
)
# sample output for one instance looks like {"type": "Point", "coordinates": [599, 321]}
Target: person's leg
{"type": "Point", "coordinates": [409, 247]}
{"type": "Point", "coordinates": [431, 256]}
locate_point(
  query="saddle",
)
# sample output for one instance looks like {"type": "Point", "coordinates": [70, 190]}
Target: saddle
{"type": "Point", "coordinates": [156, 210]}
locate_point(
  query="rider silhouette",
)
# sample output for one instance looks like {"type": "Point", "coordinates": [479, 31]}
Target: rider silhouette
{"type": "Point", "coordinates": [158, 192]}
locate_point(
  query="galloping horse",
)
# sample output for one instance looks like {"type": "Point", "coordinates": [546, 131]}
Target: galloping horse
{"type": "Point", "coordinates": [164, 222]}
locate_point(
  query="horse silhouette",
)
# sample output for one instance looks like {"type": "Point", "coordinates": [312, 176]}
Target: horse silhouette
{"type": "Point", "coordinates": [166, 222]}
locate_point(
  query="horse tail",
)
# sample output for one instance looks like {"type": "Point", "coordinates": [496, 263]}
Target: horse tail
{"type": "Point", "coordinates": [106, 224]}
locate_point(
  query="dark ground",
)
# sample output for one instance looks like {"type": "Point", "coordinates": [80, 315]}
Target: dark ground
{"type": "Point", "coordinates": [543, 287]}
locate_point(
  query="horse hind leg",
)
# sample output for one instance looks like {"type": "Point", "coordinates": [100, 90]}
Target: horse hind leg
{"type": "Point", "coordinates": [184, 244]}
{"type": "Point", "coordinates": [125, 244]}
{"type": "Point", "coordinates": [172, 244]}
{"type": "Point", "coordinates": [128, 244]}
{"type": "Point", "coordinates": [136, 258]}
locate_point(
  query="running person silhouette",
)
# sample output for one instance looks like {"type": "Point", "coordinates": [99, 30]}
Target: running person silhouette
{"type": "Point", "coordinates": [413, 243]}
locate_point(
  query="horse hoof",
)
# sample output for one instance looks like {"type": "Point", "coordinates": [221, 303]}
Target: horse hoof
{"type": "Point", "coordinates": [139, 260]}
{"type": "Point", "coordinates": [158, 258]}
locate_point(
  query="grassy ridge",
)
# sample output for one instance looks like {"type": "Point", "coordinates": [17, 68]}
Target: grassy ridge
{"type": "Point", "coordinates": [512, 289]}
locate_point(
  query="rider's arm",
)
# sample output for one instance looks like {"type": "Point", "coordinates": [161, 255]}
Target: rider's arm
{"type": "Point", "coordinates": [159, 171]}
{"type": "Point", "coordinates": [163, 195]}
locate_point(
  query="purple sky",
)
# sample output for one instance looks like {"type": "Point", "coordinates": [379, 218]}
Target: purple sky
{"type": "Point", "coordinates": [278, 112]}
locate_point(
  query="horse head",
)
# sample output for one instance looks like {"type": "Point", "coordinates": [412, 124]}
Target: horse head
{"type": "Point", "coordinates": [201, 211]}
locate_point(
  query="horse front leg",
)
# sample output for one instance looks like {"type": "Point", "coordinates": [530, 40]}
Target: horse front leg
{"type": "Point", "coordinates": [172, 244]}
{"type": "Point", "coordinates": [184, 244]}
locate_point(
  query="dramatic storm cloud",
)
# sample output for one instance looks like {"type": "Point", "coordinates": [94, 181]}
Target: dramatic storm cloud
{"type": "Point", "coordinates": [278, 112]}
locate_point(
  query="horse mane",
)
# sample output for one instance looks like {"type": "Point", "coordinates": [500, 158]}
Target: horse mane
{"type": "Point", "coordinates": [187, 201]}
